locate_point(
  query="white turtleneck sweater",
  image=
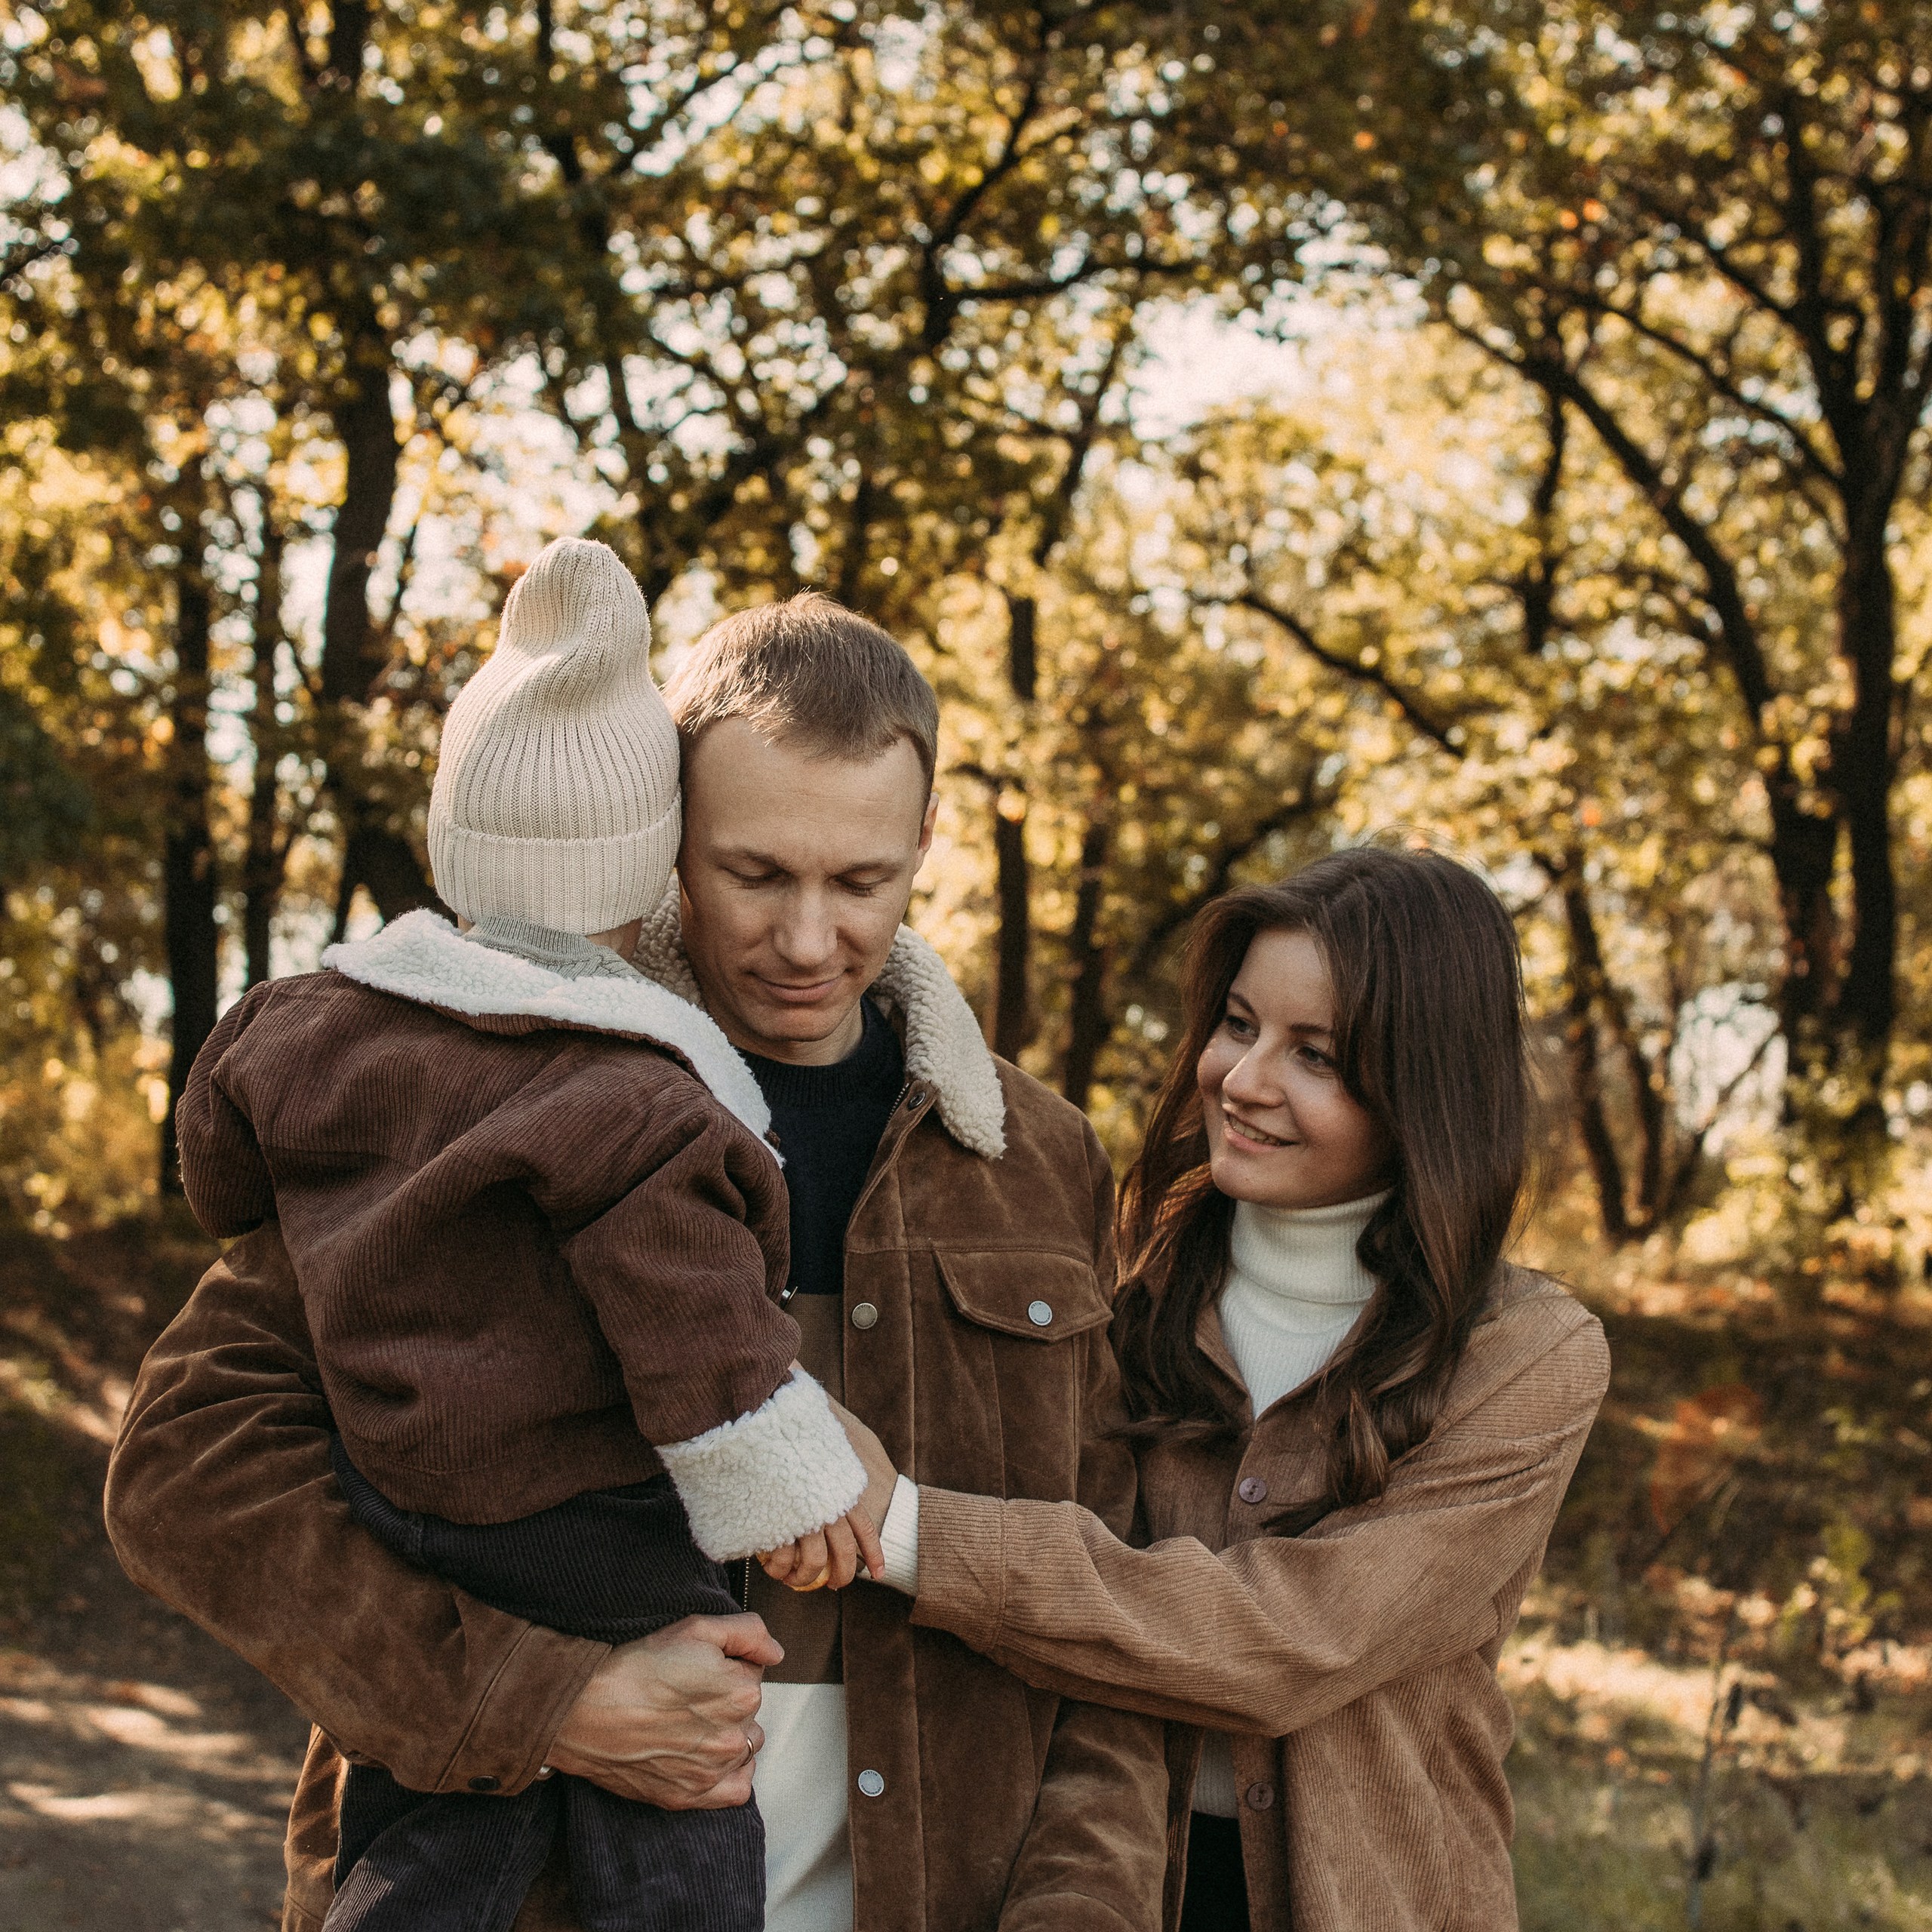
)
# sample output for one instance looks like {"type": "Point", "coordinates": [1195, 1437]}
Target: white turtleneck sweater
{"type": "Point", "coordinates": [1294, 1290]}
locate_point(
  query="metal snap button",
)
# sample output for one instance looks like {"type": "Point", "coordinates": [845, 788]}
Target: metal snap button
{"type": "Point", "coordinates": [865, 1315]}
{"type": "Point", "coordinates": [872, 1783]}
{"type": "Point", "coordinates": [1040, 1314]}
{"type": "Point", "coordinates": [1252, 1489]}
{"type": "Point", "coordinates": [1260, 1796]}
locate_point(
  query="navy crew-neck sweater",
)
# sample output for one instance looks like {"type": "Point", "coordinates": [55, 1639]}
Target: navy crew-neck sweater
{"type": "Point", "coordinates": [828, 1120]}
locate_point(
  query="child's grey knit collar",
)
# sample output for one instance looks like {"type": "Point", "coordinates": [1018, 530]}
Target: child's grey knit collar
{"type": "Point", "coordinates": [569, 955]}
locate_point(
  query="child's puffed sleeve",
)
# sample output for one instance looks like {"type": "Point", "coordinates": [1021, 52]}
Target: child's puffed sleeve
{"type": "Point", "coordinates": [223, 1172]}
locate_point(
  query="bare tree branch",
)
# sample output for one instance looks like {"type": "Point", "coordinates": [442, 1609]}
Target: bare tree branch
{"type": "Point", "coordinates": [1412, 714]}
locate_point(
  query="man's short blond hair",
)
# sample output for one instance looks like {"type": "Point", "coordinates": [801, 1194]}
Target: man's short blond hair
{"type": "Point", "coordinates": [811, 673]}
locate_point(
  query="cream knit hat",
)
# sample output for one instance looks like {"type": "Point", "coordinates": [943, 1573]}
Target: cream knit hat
{"type": "Point", "coordinates": [556, 793]}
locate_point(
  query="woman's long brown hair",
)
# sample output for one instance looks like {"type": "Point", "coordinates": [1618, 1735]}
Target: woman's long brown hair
{"type": "Point", "coordinates": [1429, 1037]}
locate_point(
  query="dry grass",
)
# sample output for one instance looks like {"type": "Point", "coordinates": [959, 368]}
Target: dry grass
{"type": "Point", "coordinates": [1820, 1814]}
{"type": "Point", "coordinates": [1744, 1540]}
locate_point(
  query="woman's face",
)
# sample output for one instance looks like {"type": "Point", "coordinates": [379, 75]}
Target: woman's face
{"type": "Point", "coordinates": [1282, 1131]}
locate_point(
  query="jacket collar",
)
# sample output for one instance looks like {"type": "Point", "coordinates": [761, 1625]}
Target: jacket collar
{"type": "Point", "coordinates": [944, 1046]}
{"type": "Point", "coordinates": [423, 958]}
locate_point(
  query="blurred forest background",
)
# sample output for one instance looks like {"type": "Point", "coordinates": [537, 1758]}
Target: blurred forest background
{"type": "Point", "coordinates": [1266, 423]}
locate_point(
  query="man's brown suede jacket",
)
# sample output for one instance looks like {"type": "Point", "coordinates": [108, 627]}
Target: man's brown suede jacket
{"type": "Point", "coordinates": [979, 1272]}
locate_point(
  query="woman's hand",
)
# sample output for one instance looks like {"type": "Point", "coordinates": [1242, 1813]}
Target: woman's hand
{"type": "Point", "coordinates": [672, 1720]}
{"type": "Point", "coordinates": [881, 1474]}
{"type": "Point", "coordinates": [811, 1564]}
{"type": "Point", "coordinates": [829, 1557]}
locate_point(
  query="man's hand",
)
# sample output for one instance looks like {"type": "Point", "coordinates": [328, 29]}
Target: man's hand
{"type": "Point", "coordinates": [672, 1720]}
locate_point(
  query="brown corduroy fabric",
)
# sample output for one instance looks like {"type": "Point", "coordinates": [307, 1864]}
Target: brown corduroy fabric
{"type": "Point", "coordinates": [528, 1251]}
{"type": "Point", "coordinates": [1358, 1659]}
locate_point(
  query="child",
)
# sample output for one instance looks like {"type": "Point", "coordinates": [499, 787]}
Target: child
{"type": "Point", "coordinates": [537, 1230]}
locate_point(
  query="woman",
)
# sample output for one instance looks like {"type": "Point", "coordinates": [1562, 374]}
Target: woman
{"type": "Point", "coordinates": [1354, 1420]}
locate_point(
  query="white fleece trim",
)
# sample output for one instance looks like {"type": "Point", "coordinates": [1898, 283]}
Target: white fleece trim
{"type": "Point", "coordinates": [423, 958]}
{"type": "Point", "coordinates": [766, 1478]}
{"type": "Point", "coordinates": [944, 1041]}
{"type": "Point", "coordinates": [944, 1045]}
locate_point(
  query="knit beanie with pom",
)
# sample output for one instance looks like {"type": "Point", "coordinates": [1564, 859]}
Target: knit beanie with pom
{"type": "Point", "coordinates": [556, 795]}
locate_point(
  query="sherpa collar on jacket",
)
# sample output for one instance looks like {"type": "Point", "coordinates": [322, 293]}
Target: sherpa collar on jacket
{"type": "Point", "coordinates": [943, 1042]}
{"type": "Point", "coordinates": [423, 958]}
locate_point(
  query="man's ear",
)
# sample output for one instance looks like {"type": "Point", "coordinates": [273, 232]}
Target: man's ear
{"type": "Point", "coordinates": [926, 825]}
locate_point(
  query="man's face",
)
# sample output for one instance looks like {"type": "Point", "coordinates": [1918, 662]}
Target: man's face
{"type": "Point", "coordinates": [796, 872]}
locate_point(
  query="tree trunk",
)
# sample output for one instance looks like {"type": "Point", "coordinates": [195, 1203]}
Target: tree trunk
{"type": "Point", "coordinates": [849, 589]}
{"type": "Point", "coordinates": [261, 871]}
{"type": "Point", "coordinates": [188, 872]}
{"type": "Point", "coordinates": [1012, 1004]}
{"type": "Point", "coordinates": [366, 426]}
{"type": "Point", "coordinates": [1022, 663]}
{"type": "Point", "coordinates": [1585, 1065]}
{"type": "Point", "coordinates": [1012, 1019]}
{"type": "Point", "coordinates": [1648, 1091]}
{"type": "Point", "coordinates": [385, 865]}
{"type": "Point", "coordinates": [374, 854]}
{"type": "Point", "coordinates": [349, 34]}
{"type": "Point", "coordinates": [1803, 849]}
{"type": "Point", "coordinates": [1088, 1024]}
{"type": "Point", "coordinates": [1865, 1004]}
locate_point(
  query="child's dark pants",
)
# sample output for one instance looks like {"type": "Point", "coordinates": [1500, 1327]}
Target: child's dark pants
{"type": "Point", "coordinates": [612, 1566]}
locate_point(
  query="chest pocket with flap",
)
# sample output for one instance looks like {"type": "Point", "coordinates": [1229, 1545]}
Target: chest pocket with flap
{"type": "Point", "coordinates": [1021, 1291]}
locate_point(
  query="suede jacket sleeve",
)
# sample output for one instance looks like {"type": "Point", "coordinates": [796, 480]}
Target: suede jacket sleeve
{"type": "Point", "coordinates": [1094, 1855]}
{"type": "Point", "coordinates": [220, 1501]}
{"type": "Point", "coordinates": [1271, 1634]}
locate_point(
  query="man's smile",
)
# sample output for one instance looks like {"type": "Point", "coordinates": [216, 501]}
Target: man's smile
{"type": "Point", "coordinates": [808, 993]}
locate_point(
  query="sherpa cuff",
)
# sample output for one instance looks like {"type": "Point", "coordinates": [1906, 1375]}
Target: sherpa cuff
{"type": "Point", "coordinates": [768, 1477]}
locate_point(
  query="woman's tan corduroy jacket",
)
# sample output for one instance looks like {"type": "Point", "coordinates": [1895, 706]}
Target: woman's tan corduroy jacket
{"type": "Point", "coordinates": [1360, 1656]}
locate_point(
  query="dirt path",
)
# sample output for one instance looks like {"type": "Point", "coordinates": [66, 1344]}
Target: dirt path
{"type": "Point", "coordinates": [144, 1772]}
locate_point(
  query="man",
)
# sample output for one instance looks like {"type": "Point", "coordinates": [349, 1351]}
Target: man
{"type": "Point", "coordinates": [951, 1277]}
